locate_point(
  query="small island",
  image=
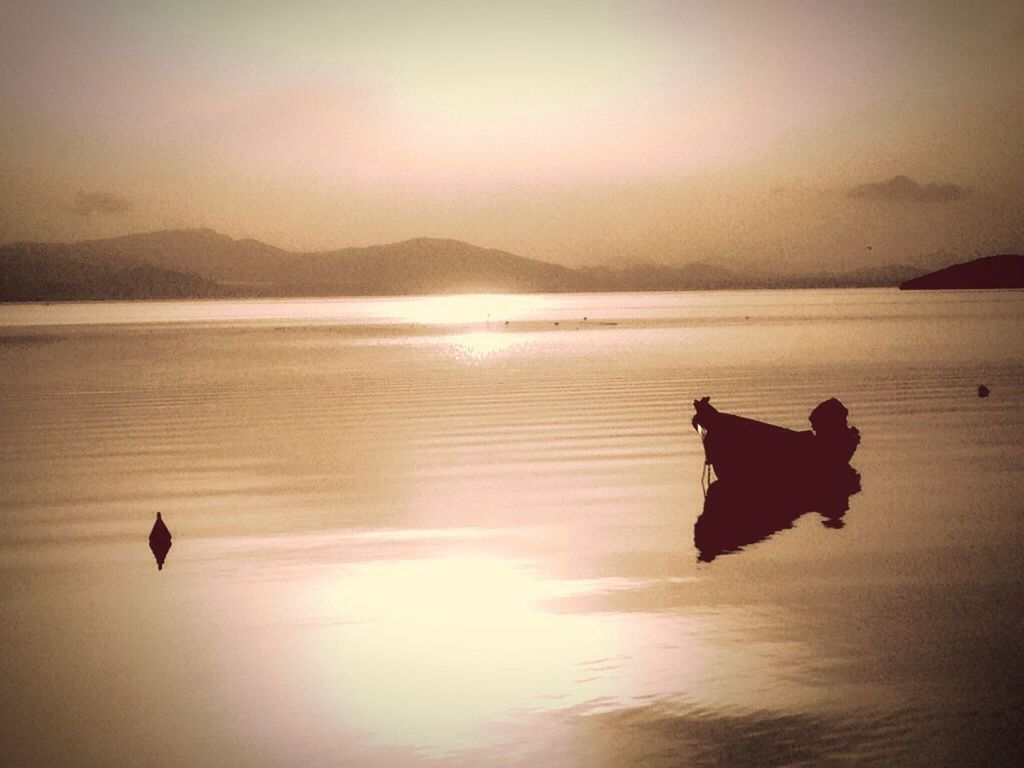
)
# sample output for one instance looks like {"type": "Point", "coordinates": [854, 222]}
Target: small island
{"type": "Point", "coordinates": [1003, 271]}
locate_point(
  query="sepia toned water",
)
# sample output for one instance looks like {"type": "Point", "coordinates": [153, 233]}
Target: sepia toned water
{"type": "Point", "coordinates": [460, 531]}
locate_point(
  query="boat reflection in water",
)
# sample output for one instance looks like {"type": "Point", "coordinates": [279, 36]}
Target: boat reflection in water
{"type": "Point", "coordinates": [737, 513]}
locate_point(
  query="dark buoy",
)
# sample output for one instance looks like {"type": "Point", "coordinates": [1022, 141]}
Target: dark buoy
{"type": "Point", "coordinates": [983, 391]}
{"type": "Point", "coordinates": [159, 541]}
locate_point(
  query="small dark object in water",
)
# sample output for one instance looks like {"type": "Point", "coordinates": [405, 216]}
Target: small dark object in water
{"type": "Point", "coordinates": [983, 391]}
{"type": "Point", "coordinates": [160, 541]}
{"type": "Point", "coordinates": [741, 447]}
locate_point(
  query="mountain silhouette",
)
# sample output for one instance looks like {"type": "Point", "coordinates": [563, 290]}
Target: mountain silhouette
{"type": "Point", "coordinates": [202, 263]}
{"type": "Point", "coordinates": [37, 273]}
{"type": "Point", "coordinates": [1003, 271]}
{"type": "Point", "coordinates": [657, 277]}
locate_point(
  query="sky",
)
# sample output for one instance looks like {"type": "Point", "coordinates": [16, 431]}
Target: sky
{"type": "Point", "coordinates": [777, 135]}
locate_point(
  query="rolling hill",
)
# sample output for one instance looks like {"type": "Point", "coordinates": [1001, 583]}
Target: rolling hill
{"type": "Point", "coordinates": [215, 264]}
{"type": "Point", "coordinates": [201, 263]}
{"type": "Point", "coordinates": [27, 275]}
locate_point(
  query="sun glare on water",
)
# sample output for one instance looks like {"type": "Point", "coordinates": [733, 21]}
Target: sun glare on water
{"type": "Point", "coordinates": [436, 647]}
{"type": "Point", "coordinates": [434, 652]}
{"type": "Point", "coordinates": [466, 309]}
{"type": "Point", "coordinates": [480, 344]}
{"type": "Point", "coordinates": [482, 320]}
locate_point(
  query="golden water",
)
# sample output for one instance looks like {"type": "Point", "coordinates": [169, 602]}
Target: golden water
{"type": "Point", "coordinates": [460, 531]}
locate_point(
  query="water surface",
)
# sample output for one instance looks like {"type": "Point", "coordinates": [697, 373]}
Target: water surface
{"type": "Point", "coordinates": [459, 531]}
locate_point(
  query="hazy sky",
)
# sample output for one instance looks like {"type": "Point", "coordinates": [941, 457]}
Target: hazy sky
{"type": "Point", "coordinates": [736, 132]}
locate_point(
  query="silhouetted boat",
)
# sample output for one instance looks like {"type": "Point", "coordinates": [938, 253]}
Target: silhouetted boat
{"type": "Point", "coordinates": [160, 541]}
{"type": "Point", "coordinates": [738, 513]}
{"type": "Point", "coordinates": [739, 447]}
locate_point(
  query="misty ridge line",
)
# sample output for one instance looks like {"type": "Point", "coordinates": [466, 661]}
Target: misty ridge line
{"type": "Point", "coordinates": [202, 263]}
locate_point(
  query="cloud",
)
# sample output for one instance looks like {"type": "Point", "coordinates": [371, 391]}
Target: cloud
{"type": "Point", "coordinates": [88, 203]}
{"type": "Point", "coordinates": [905, 189]}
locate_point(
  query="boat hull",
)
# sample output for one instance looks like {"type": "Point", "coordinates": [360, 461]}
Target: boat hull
{"type": "Point", "coordinates": [738, 447]}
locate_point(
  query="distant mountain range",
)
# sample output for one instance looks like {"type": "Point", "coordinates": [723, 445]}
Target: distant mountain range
{"type": "Point", "coordinates": [201, 263]}
{"type": "Point", "coordinates": [1003, 271]}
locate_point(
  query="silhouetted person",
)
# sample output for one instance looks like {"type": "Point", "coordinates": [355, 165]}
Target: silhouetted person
{"type": "Point", "coordinates": [160, 541]}
{"type": "Point", "coordinates": [828, 420]}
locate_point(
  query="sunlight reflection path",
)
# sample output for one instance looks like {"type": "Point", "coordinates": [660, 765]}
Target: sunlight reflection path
{"type": "Point", "coordinates": [463, 309]}
{"type": "Point", "coordinates": [434, 652]}
{"type": "Point", "coordinates": [477, 345]}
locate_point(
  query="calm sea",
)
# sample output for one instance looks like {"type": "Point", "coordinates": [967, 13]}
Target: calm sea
{"type": "Point", "coordinates": [460, 531]}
